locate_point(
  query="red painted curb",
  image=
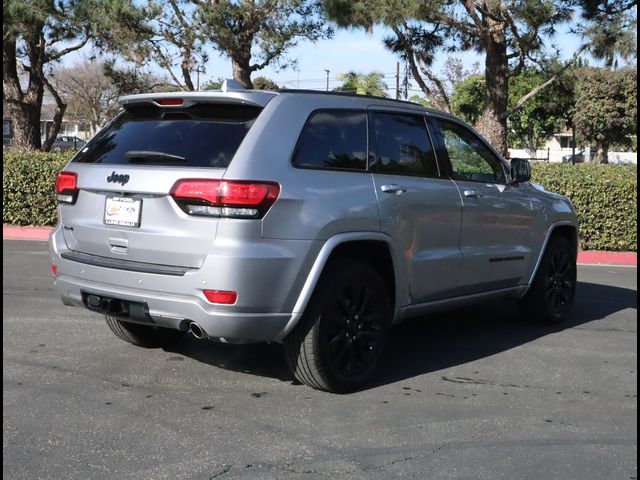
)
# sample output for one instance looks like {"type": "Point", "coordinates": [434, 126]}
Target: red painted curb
{"type": "Point", "coordinates": [26, 233]}
{"type": "Point", "coordinates": [584, 257]}
{"type": "Point", "coordinates": [608, 258]}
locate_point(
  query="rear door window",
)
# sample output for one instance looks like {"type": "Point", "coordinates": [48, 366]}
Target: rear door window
{"type": "Point", "coordinates": [401, 145]}
{"type": "Point", "coordinates": [198, 136]}
{"type": "Point", "coordinates": [333, 139]}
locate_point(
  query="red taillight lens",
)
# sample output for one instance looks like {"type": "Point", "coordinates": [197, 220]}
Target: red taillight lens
{"type": "Point", "coordinates": [167, 102]}
{"type": "Point", "coordinates": [67, 187]}
{"type": "Point", "coordinates": [54, 270]}
{"type": "Point", "coordinates": [221, 296]}
{"type": "Point", "coordinates": [225, 198]}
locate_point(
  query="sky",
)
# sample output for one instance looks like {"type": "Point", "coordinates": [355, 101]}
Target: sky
{"type": "Point", "coordinates": [348, 50]}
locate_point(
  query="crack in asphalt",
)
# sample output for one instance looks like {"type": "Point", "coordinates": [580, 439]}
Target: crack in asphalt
{"type": "Point", "coordinates": [289, 468]}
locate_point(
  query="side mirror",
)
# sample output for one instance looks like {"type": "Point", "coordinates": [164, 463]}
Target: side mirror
{"type": "Point", "coordinates": [520, 170]}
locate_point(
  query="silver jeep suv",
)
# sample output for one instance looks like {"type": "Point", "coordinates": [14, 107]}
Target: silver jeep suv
{"type": "Point", "coordinates": [316, 220]}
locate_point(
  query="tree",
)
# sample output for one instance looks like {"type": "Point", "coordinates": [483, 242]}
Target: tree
{"type": "Point", "coordinates": [129, 80]}
{"type": "Point", "coordinates": [453, 73]}
{"type": "Point", "coordinates": [510, 33]}
{"type": "Point", "coordinates": [529, 126]}
{"type": "Point", "coordinates": [264, 83]}
{"type": "Point", "coordinates": [611, 29]}
{"type": "Point", "coordinates": [91, 89]}
{"type": "Point", "coordinates": [420, 101]}
{"type": "Point", "coordinates": [541, 116]}
{"type": "Point", "coordinates": [254, 34]}
{"type": "Point", "coordinates": [467, 100]}
{"type": "Point", "coordinates": [362, 84]}
{"type": "Point", "coordinates": [213, 84]}
{"type": "Point", "coordinates": [606, 108]}
{"type": "Point", "coordinates": [178, 41]}
{"type": "Point", "coordinates": [89, 94]}
{"type": "Point", "coordinates": [36, 35]}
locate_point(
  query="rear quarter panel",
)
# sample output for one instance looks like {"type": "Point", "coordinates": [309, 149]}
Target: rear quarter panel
{"type": "Point", "coordinates": [313, 204]}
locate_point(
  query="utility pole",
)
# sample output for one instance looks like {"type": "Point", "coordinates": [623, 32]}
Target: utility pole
{"type": "Point", "coordinates": [327, 78]}
{"type": "Point", "coordinates": [406, 81]}
{"type": "Point", "coordinates": [199, 69]}
{"type": "Point", "coordinates": [397, 80]}
{"type": "Point", "coordinates": [573, 144]}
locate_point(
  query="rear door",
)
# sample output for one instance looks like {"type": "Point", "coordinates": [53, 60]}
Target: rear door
{"type": "Point", "coordinates": [418, 208]}
{"type": "Point", "coordinates": [497, 216]}
{"type": "Point", "coordinates": [125, 175]}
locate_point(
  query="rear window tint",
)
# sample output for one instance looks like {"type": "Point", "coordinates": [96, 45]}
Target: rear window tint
{"type": "Point", "coordinates": [335, 139]}
{"type": "Point", "coordinates": [198, 136]}
{"type": "Point", "coordinates": [402, 145]}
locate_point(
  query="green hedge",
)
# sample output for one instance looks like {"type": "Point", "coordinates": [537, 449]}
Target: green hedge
{"type": "Point", "coordinates": [605, 196]}
{"type": "Point", "coordinates": [28, 186]}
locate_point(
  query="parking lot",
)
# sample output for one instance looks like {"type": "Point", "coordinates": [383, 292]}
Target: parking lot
{"type": "Point", "coordinates": [474, 394]}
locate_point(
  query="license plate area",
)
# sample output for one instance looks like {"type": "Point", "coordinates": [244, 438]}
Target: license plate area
{"type": "Point", "coordinates": [122, 211]}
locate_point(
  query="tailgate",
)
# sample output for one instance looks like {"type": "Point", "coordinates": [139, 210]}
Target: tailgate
{"type": "Point", "coordinates": [122, 206]}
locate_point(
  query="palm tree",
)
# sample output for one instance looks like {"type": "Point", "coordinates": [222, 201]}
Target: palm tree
{"type": "Point", "coordinates": [362, 84]}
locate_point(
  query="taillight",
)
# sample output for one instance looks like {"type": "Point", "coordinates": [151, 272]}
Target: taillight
{"type": "Point", "coordinates": [54, 270]}
{"type": "Point", "coordinates": [225, 198]}
{"type": "Point", "coordinates": [221, 296]}
{"type": "Point", "coordinates": [67, 187]}
{"type": "Point", "coordinates": [169, 102]}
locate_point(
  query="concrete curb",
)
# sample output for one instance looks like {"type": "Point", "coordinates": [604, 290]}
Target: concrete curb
{"type": "Point", "coordinates": [629, 259]}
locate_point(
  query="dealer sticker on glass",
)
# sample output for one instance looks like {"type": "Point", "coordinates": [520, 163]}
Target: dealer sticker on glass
{"type": "Point", "coordinates": [123, 211]}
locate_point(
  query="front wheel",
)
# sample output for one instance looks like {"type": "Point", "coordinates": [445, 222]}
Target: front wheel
{"type": "Point", "coordinates": [146, 336]}
{"type": "Point", "coordinates": [550, 298]}
{"type": "Point", "coordinates": [340, 339]}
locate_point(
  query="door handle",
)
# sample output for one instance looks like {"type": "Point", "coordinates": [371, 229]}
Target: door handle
{"type": "Point", "coordinates": [393, 188]}
{"type": "Point", "coordinates": [472, 194]}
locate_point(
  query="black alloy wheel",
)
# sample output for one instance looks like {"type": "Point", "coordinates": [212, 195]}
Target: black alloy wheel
{"type": "Point", "coordinates": [350, 329]}
{"type": "Point", "coordinates": [338, 343]}
{"type": "Point", "coordinates": [560, 281]}
{"type": "Point", "coordinates": [550, 297]}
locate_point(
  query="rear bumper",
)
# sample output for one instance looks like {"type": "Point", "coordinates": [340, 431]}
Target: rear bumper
{"type": "Point", "coordinates": [178, 313]}
{"type": "Point", "coordinates": [267, 288]}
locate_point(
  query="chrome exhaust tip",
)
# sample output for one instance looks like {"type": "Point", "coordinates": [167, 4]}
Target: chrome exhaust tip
{"type": "Point", "coordinates": [197, 331]}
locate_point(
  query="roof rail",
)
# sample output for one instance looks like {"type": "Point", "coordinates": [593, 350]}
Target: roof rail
{"type": "Point", "coordinates": [347, 94]}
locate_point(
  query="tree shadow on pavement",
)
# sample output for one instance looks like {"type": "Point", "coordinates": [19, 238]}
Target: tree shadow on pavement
{"type": "Point", "coordinates": [430, 343]}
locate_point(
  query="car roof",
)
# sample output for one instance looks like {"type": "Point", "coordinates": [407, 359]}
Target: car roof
{"type": "Point", "coordinates": [260, 98]}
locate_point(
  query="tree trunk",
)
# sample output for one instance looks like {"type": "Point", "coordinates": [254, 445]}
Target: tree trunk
{"type": "Point", "coordinates": [602, 154]}
{"type": "Point", "coordinates": [493, 123]}
{"type": "Point", "coordinates": [242, 70]}
{"type": "Point", "coordinates": [61, 107]}
{"type": "Point", "coordinates": [55, 128]}
{"type": "Point", "coordinates": [25, 118]}
{"type": "Point", "coordinates": [24, 107]}
{"type": "Point", "coordinates": [186, 66]}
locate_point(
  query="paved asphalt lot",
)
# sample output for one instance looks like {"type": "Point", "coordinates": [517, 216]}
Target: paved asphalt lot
{"type": "Point", "coordinates": [474, 394]}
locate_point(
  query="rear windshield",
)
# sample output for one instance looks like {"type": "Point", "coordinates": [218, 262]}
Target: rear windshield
{"type": "Point", "coordinates": [197, 136]}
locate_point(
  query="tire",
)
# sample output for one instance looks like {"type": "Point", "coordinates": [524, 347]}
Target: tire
{"type": "Point", "coordinates": [143, 335]}
{"type": "Point", "coordinates": [550, 298]}
{"type": "Point", "coordinates": [338, 343]}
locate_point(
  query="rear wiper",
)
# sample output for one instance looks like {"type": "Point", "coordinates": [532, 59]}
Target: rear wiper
{"type": "Point", "coordinates": [151, 156]}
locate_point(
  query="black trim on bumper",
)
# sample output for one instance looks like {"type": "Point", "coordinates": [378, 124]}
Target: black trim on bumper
{"type": "Point", "coordinates": [128, 265]}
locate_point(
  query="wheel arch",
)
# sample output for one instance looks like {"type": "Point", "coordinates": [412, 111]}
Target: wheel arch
{"type": "Point", "coordinates": [566, 229]}
{"type": "Point", "coordinates": [375, 248]}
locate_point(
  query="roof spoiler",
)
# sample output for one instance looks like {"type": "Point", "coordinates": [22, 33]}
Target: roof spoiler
{"type": "Point", "coordinates": [231, 92]}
